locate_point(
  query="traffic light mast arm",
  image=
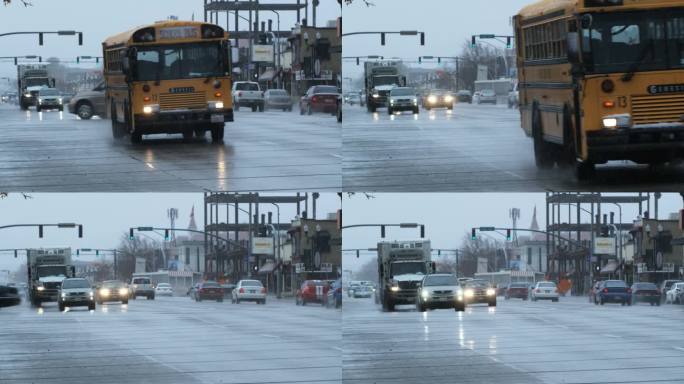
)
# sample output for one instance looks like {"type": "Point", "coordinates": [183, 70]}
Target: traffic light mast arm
{"type": "Point", "coordinates": [150, 229]}
{"type": "Point", "coordinates": [494, 229]}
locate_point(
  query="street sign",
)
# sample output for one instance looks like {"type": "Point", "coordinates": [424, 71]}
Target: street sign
{"type": "Point", "coordinates": [262, 246]}
{"type": "Point", "coordinates": [299, 268]}
{"type": "Point", "coordinates": [487, 229]}
{"type": "Point", "coordinates": [326, 267]}
{"type": "Point", "coordinates": [145, 229]}
{"type": "Point", "coordinates": [641, 268]}
{"type": "Point", "coordinates": [604, 246]}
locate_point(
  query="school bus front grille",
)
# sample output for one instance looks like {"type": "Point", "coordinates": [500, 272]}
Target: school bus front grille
{"type": "Point", "coordinates": [171, 101]}
{"type": "Point", "coordinates": [657, 109]}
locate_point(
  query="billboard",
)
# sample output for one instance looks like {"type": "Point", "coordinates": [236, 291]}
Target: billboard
{"type": "Point", "coordinates": [262, 246]}
{"type": "Point", "coordinates": [262, 53]}
{"type": "Point", "coordinates": [604, 246]}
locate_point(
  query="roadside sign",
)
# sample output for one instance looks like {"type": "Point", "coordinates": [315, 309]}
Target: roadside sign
{"type": "Point", "coordinates": [604, 246]}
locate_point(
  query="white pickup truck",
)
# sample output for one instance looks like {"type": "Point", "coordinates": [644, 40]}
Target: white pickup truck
{"type": "Point", "coordinates": [247, 94]}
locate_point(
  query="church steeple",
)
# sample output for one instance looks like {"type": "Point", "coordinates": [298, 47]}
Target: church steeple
{"type": "Point", "coordinates": [534, 225]}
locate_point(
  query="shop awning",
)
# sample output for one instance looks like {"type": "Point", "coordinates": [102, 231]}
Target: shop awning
{"type": "Point", "coordinates": [610, 267]}
{"type": "Point", "coordinates": [268, 75]}
{"type": "Point", "coordinates": [267, 268]}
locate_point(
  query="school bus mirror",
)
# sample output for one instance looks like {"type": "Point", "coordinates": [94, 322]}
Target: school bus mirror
{"type": "Point", "coordinates": [573, 47]}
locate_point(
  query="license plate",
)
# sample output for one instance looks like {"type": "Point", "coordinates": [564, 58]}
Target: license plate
{"type": "Point", "coordinates": [252, 291]}
{"type": "Point", "coordinates": [217, 119]}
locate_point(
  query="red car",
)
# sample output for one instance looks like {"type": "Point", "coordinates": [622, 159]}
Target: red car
{"type": "Point", "coordinates": [208, 290]}
{"type": "Point", "coordinates": [517, 291]}
{"type": "Point", "coordinates": [319, 98]}
{"type": "Point", "coordinates": [312, 291]}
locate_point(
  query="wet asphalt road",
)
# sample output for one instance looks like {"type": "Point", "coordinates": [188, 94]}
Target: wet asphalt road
{"type": "Point", "coordinates": [171, 341]}
{"type": "Point", "coordinates": [571, 341]}
{"type": "Point", "coordinates": [476, 148]}
{"type": "Point", "coordinates": [271, 151]}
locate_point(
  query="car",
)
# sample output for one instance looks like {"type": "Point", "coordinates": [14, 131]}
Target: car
{"type": "Point", "coordinates": [112, 290]}
{"type": "Point", "coordinates": [479, 292]}
{"type": "Point", "coordinates": [439, 98]}
{"type": "Point", "coordinates": [247, 94]}
{"type": "Point", "coordinates": [440, 290]}
{"type": "Point", "coordinates": [363, 291]}
{"type": "Point", "coordinates": [352, 288]}
{"type": "Point", "coordinates": [353, 98]}
{"type": "Point", "coordinates": [545, 290]}
{"type": "Point", "coordinates": [594, 291]}
{"type": "Point", "coordinates": [614, 291]}
{"type": "Point", "coordinates": [674, 295]}
{"type": "Point", "coordinates": [501, 289]}
{"type": "Point", "coordinates": [49, 98]}
{"type": "Point", "coordinates": [9, 296]}
{"type": "Point", "coordinates": [334, 296]}
{"type": "Point", "coordinates": [464, 96]}
{"type": "Point", "coordinates": [207, 290]}
{"type": "Point", "coordinates": [142, 286]}
{"type": "Point", "coordinates": [312, 291]}
{"type": "Point", "coordinates": [645, 293]}
{"type": "Point", "coordinates": [517, 291]}
{"type": "Point", "coordinates": [463, 280]}
{"type": "Point", "coordinates": [514, 97]}
{"type": "Point", "coordinates": [319, 98]}
{"type": "Point", "coordinates": [403, 99]}
{"type": "Point", "coordinates": [487, 96]}
{"type": "Point", "coordinates": [277, 99]}
{"type": "Point", "coordinates": [163, 289]}
{"type": "Point", "coordinates": [665, 286]}
{"type": "Point", "coordinates": [249, 290]}
{"type": "Point", "coordinates": [76, 292]}
{"type": "Point", "coordinates": [86, 104]}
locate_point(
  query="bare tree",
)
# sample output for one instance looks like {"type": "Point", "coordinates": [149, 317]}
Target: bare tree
{"type": "Point", "coordinates": [129, 250]}
{"type": "Point", "coordinates": [26, 3]}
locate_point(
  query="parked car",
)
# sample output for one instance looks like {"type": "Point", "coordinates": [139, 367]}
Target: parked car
{"type": "Point", "coordinates": [614, 291]}
{"type": "Point", "coordinates": [486, 96]}
{"type": "Point", "coordinates": [247, 94]}
{"type": "Point", "coordinates": [163, 289]}
{"type": "Point", "coordinates": [87, 104]}
{"type": "Point", "coordinates": [645, 293]}
{"type": "Point", "coordinates": [403, 99]}
{"type": "Point", "coordinates": [439, 98]}
{"type": "Point", "coordinates": [208, 290]}
{"type": "Point", "coordinates": [142, 286]}
{"type": "Point", "coordinates": [249, 290]}
{"type": "Point", "coordinates": [464, 96]}
{"type": "Point", "coordinates": [334, 296]}
{"type": "Point", "coordinates": [319, 98]}
{"type": "Point", "coordinates": [674, 295]}
{"type": "Point", "coordinates": [665, 286]}
{"type": "Point", "coordinates": [49, 98]}
{"type": "Point", "coordinates": [312, 291]}
{"type": "Point", "coordinates": [112, 290]}
{"type": "Point", "coordinates": [277, 99]}
{"type": "Point", "coordinates": [76, 292]}
{"type": "Point", "coordinates": [545, 290]}
{"type": "Point", "coordinates": [440, 290]}
{"type": "Point", "coordinates": [9, 296]}
{"type": "Point", "coordinates": [517, 291]}
{"type": "Point", "coordinates": [479, 292]}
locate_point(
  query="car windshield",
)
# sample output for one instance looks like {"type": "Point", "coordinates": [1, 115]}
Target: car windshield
{"type": "Point", "coordinates": [403, 92]}
{"type": "Point", "coordinates": [52, 270]}
{"type": "Point", "coordinates": [246, 87]}
{"type": "Point", "coordinates": [251, 283]}
{"type": "Point", "coordinates": [112, 284]}
{"type": "Point", "coordinates": [630, 41]}
{"type": "Point", "coordinates": [179, 62]}
{"type": "Point", "coordinates": [325, 89]}
{"type": "Point", "coordinates": [668, 284]}
{"type": "Point", "coordinates": [163, 285]}
{"type": "Point", "coordinates": [141, 281]}
{"type": "Point", "coordinates": [440, 280]}
{"type": "Point", "coordinates": [75, 283]}
{"type": "Point", "coordinates": [417, 268]}
{"type": "Point", "coordinates": [615, 284]}
{"type": "Point", "coordinates": [49, 92]}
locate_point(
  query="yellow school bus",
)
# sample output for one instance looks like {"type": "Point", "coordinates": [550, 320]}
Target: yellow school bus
{"type": "Point", "coordinates": [168, 77]}
{"type": "Point", "coordinates": [602, 80]}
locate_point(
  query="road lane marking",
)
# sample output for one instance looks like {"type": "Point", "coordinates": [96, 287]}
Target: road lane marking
{"type": "Point", "coordinates": [612, 336]}
{"type": "Point", "coordinates": [679, 348]}
{"type": "Point", "coordinates": [271, 336]}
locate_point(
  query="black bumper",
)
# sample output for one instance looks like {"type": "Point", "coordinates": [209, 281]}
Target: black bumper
{"type": "Point", "coordinates": [177, 122]}
{"type": "Point", "coordinates": [637, 143]}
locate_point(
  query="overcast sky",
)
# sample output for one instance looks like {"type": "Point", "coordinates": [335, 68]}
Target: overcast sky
{"type": "Point", "coordinates": [447, 217]}
{"type": "Point", "coordinates": [105, 217]}
{"type": "Point", "coordinates": [446, 23]}
{"type": "Point", "coordinates": [99, 19]}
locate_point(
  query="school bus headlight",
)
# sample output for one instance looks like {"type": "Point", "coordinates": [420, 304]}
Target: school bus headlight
{"type": "Point", "coordinates": [215, 104]}
{"type": "Point", "coordinates": [150, 109]}
{"type": "Point", "coordinates": [617, 121]}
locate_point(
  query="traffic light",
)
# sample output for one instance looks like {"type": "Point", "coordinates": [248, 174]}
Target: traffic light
{"type": "Point", "coordinates": [358, 61]}
{"type": "Point", "coordinates": [473, 234]}
{"type": "Point", "coordinates": [97, 252]}
{"type": "Point", "coordinates": [15, 253]}
{"type": "Point", "coordinates": [382, 231]}
{"type": "Point", "coordinates": [420, 59]}
{"type": "Point", "coordinates": [422, 231]}
{"type": "Point", "coordinates": [473, 43]}
{"type": "Point", "coordinates": [508, 42]}
{"type": "Point", "coordinates": [78, 59]}
{"type": "Point", "coordinates": [15, 60]}
{"type": "Point", "coordinates": [80, 231]}
{"type": "Point", "coordinates": [357, 253]}
{"type": "Point", "coordinates": [130, 235]}
{"type": "Point", "coordinates": [422, 38]}
{"type": "Point", "coordinates": [508, 235]}
{"type": "Point", "coordinates": [40, 231]}
{"type": "Point", "coordinates": [80, 38]}
{"type": "Point", "coordinates": [40, 39]}
{"type": "Point", "coordinates": [439, 60]}
{"type": "Point", "coordinates": [382, 38]}
{"type": "Point", "coordinates": [166, 235]}
{"type": "Point", "coordinates": [78, 252]}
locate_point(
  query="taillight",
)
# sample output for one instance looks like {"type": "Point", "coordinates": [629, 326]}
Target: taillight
{"type": "Point", "coordinates": [263, 290]}
{"type": "Point", "coordinates": [242, 290]}
{"type": "Point", "coordinates": [314, 99]}
{"type": "Point", "coordinates": [605, 290]}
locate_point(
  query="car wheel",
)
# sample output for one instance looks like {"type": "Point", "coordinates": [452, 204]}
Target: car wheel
{"type": "Point", "coordinates": [91, 307]}
{"type": "Point", "coordinates": [492, 304]}
{"type": "Point", "coordinates": [124, 302]}
{"type": "Point", "coordinates": [421, 307]}
{"type": "Point", "coordinates": [62, 307]}
{"type": "Point", "coordinates": [61, 109]}
{"type": "Point", "coordinates": [217, 133]}
{"type": "Point", "coordinates": [254, 108]}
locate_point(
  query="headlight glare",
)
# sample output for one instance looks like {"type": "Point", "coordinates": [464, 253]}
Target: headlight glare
{"type": "Point", "coordinates": [395, 288]}
{"type": "Point", "coordinates": [469, 293]}
{"type": "Point", "coordinates": [425, 294]}
{"type": "Point", "coordinates": [491, 292]}
{"type": "Point", "coordinates": [617, 121]}
{"type": "Point", "coordinates": [41, 288]}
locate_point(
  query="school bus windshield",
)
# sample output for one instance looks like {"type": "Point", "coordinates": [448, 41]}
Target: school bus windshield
{"type": "Point", "coordinates": [185, 61]}
{"type": "Point", "coordinates": [634, 41]}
